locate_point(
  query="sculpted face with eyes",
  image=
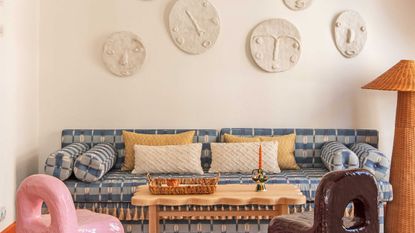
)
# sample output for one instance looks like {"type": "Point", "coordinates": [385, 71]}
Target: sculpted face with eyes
{"type": "Point", "coordinates": [297, 5]}
{"type": "Point", "coordinates": [275, 45]}
{"type": "Point", "coordinates": [123, 53]}
{"type": "Point", "coordinates": [350, 33]}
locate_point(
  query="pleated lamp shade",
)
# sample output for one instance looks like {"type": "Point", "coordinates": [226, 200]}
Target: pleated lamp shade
{"type": "Point", "coordinates": [400, 77]}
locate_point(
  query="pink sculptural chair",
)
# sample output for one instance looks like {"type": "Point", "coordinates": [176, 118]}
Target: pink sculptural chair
{"type": "Point", "coordinates": [63, 217]}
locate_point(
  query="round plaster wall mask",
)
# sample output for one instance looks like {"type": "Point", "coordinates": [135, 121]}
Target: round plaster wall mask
{"type": "Point", "coordinates": [194, 25]}
{"type": "Point", "coordinates": [275, 45]}
{"type": "Point", "coordinates": [297, 5]}
{"type": "Point", "coordinates": [350, 33]}
{"type": "Point", "coordinates": [123, 53]}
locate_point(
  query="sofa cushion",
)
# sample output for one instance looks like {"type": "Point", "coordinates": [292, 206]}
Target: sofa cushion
{"type": "Point", "coordinates": [93, 137]}
{"type": "Point", "coordinates": [308, 142]}
{"type": "Point", "coordinates": [286, 147]}
{"type": "Point", "coordinates": [243, 157]}
{"type": "Point", "coordinates": [60, 163]}
{"type": "Point", "coordinates": [337, 156]}
{"type": "Point", "coordinates": [183, 159]}
{"type": "Point", "coordinates": [93, 164]}
{"type": "Point", "coordinates": [372, 159]}
{"type": "Point", "coordinates": [131, 139]}
{"type": "Point", "coordinates": [228, 138]}
{"type": "Point", "coordinates": [119, 186]}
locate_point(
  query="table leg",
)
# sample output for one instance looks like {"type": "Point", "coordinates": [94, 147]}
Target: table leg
{"type": "Point", "coordinates": [282, 209]}
{"type": "Point", "coordinates": [153, 219]}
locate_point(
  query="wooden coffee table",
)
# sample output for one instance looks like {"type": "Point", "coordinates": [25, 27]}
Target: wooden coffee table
{"type": "Point", "coordinates": [278, 195]}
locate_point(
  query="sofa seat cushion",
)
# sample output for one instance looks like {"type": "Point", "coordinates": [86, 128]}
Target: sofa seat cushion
{"type": "Point", "coordinates": [119, 186]}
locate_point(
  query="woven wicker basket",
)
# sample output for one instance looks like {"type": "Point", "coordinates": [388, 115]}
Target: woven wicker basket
{"type": "Point", "coordinates": [182, 186]}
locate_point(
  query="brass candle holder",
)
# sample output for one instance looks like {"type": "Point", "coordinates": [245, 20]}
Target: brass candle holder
{"type": "Point", "coordinates": [260, 178]}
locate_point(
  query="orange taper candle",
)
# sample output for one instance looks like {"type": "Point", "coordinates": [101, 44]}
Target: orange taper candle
{"type": "Point", "coordinates": [260, 157]}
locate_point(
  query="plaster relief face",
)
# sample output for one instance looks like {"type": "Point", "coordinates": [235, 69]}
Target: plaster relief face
{"type": "Point", "coordinates": [275, 45]}
{"type": "Point", "coordinates": [350, 33]}
{"type": "Point", "coordinates": [123, 53]}
{"type": "Point", "coordinates": [194, 25]}
{"type": "Point", "coordinates": [297, 5]}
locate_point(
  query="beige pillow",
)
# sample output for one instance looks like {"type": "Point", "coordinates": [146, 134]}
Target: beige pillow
{"type": "Point", "coordinates": [229, 138]}
{"type": "Point", "coordinates": [286, 148]}
{"type": "Point", "coordinates": [243, 157]}
{"type": "Point", "coordinates": [183, 159]}
{"type": "Point", "coordinates": [131, 139]}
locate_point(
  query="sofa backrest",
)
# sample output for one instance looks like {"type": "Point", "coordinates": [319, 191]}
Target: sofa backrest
{"type": "Point", "coordinates": [307, 148]}
{"type": "Point", "coordinates": [309, 141]}
{"type": "Point", "coordinates": [114, 136]}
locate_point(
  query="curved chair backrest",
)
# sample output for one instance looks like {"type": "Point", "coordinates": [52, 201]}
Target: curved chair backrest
{"type": "Point", "coordinates": [31, 194]}
{"type": "Point", "coordinates": [336, 191]}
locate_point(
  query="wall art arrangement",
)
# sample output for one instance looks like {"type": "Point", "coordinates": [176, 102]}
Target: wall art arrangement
{"type": "Point", "coordinates": [297, 5]}
{"type": "Point", "coordinates": [275, 45]}
{"type": "Point", "coordinates": [350, 33]}
{"type": "Point", "coordinates": [123, 53]}
{"type": "Point", "coordinates": [194, 25]}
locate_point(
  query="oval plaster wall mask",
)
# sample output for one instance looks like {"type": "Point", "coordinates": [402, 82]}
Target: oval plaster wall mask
{"type": "Point", "coordinates": [350, 33]}
{"type": "Point", "coordinates": [297, 5]}
{"type": "Point", "coordinates": [123, 53]}
{"type": "Point", "coordinates": [194, 25]}
{"type": "Point", "coordinates": [275, 45]}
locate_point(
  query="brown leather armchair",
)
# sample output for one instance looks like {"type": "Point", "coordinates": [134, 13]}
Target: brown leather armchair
{"type": "Point", "coordinates": [335, 192]}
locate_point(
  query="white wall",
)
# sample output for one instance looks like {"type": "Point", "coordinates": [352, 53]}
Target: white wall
{"type": "Point", "coordinates": [18, 100]}
{"type": "Point", "coordinates": [221, 88]}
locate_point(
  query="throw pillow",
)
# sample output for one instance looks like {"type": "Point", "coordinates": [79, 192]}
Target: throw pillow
{"type": "Point", "coordinates": [243, 157]}
{"type": "Point", "coordinates": [286, 147]}
{"type": "Point", "coordinates": [228, 138]}
{"type": "Point", "coordinates": [372, 159]}
{"type": "Point", "coordinates": [337, 156]}
{"type": "Point", "coordinates": [183, 159]}
{"type": "Point", "coordinates": [95, 163]}
{"type": "Point", "coordinates": [131, 139]}
{"type": "Point", "coordinates": [60, 163]}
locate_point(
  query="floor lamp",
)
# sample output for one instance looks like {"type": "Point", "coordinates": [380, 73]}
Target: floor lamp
{"type": "Point", "coordinates": [400, 213]}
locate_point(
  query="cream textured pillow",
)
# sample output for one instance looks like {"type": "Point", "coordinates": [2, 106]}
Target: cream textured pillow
{"type": "Point", "coordinates": [131, 139]}
{"type": "Point", "coordinates": [183, 159]}
{"type": "Point", "coordinates": [243, 157]}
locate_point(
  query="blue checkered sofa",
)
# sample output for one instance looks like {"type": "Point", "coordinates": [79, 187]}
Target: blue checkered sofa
{"type": "Point", "coordinates": [112, 194]}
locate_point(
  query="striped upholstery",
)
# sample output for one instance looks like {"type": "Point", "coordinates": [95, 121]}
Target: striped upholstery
{"type": "Point", "coordinates": [337, 157]}
{"type": "Point", "coordinates": [309, 141]}
{"type": "Point", "coordinates": [119, 186]}
{"type": "Point", "coordinates": [112, 194]}
{"type": "Point", "coordinates": [372, 159]}
{"type": "Point", "coordinates": [93, 164]}
{"type": "Point", "coordinates": [60, 163]}
{"type": "Point", "coordinates": [114, 136]}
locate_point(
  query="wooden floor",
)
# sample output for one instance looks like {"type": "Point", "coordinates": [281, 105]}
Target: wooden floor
{"type": "Point", "coordinates": [10, 229]}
